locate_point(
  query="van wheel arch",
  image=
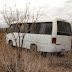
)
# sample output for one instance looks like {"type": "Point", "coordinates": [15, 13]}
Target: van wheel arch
{"type": "Point", "coordinates": [33, 47]}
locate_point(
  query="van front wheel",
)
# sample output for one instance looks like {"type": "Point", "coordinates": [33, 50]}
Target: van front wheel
{"type": "Point", "coordinates": [11, 43]}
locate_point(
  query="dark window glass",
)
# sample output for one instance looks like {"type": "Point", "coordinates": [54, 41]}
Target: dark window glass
{"type": "Point", "coordinates": [11, 28]}
{"type": "Point", "coordinates": [42, 28]}
{"type": "Point", "coordinates": [22, 28]}
{"type": "Point", "coordinates": [63, 28]}
{"type": "Point", "coordinates": [35, 29]}
{"type": "Point", "coordinates": [38, 28]}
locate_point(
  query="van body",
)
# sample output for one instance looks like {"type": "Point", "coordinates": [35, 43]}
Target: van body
{"type": "Point", "coordinates": [47, 35]}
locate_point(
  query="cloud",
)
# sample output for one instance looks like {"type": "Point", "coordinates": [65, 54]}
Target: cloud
{"type": "Point", "coordinates": [51, 8]}
{"type": "Point", "coordinates": [3, 24]}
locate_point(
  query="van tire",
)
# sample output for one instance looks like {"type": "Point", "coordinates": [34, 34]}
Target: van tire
{"type": "Point", "coordinates": [11, 43]}
{"type": "Point", "coordinates": [33, 50]}
{"type": "Point", "coordinates": [33, 47]}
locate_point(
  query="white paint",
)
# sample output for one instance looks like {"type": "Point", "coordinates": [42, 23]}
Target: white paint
{"type": "Point", "coordinates": [63, 43]}
{"type": "Point", "coordinates": [43, 41]}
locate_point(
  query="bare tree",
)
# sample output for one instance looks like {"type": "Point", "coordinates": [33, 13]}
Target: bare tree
{"type": "Point", "coordinates": [10, 16]}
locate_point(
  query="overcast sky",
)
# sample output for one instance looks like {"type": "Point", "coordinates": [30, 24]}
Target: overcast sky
{"type": "Point", "coordinates": [37, 3]}
{"type": "Point", "coordinates": [52, 8]}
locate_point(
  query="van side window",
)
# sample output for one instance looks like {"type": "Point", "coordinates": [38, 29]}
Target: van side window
{"type": "Point", "coordinates": [42, 28]}
{"type": "Point", "coordinates": [35, 29]}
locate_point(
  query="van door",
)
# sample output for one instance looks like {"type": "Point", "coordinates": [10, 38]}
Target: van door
{"type": "Point", "coordinates": [63, 40]}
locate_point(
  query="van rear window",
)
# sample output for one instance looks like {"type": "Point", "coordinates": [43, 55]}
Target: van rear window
{"type": "Point", "coordinates": [42, 28]}
{"type": "Point", "coordinates": [63, 28]}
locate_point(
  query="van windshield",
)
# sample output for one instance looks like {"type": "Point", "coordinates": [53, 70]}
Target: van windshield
{"type": "Point", "coordinates": [42, 28]}
{"type": "Point", "coordinates": [63, 28]}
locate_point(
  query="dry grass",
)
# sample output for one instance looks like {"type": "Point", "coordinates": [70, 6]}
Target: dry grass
{"type": "Point", "coordinates": [34, 62]}
{"type": "Point", "coordinates": [31, 61]}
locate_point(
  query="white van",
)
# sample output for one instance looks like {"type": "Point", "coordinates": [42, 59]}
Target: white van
{"type": "Point", "coordinates": [47, 35]}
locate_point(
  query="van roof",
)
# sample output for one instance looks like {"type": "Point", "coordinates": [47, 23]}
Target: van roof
{"type": "Point", "coordinates": [41, 20]}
